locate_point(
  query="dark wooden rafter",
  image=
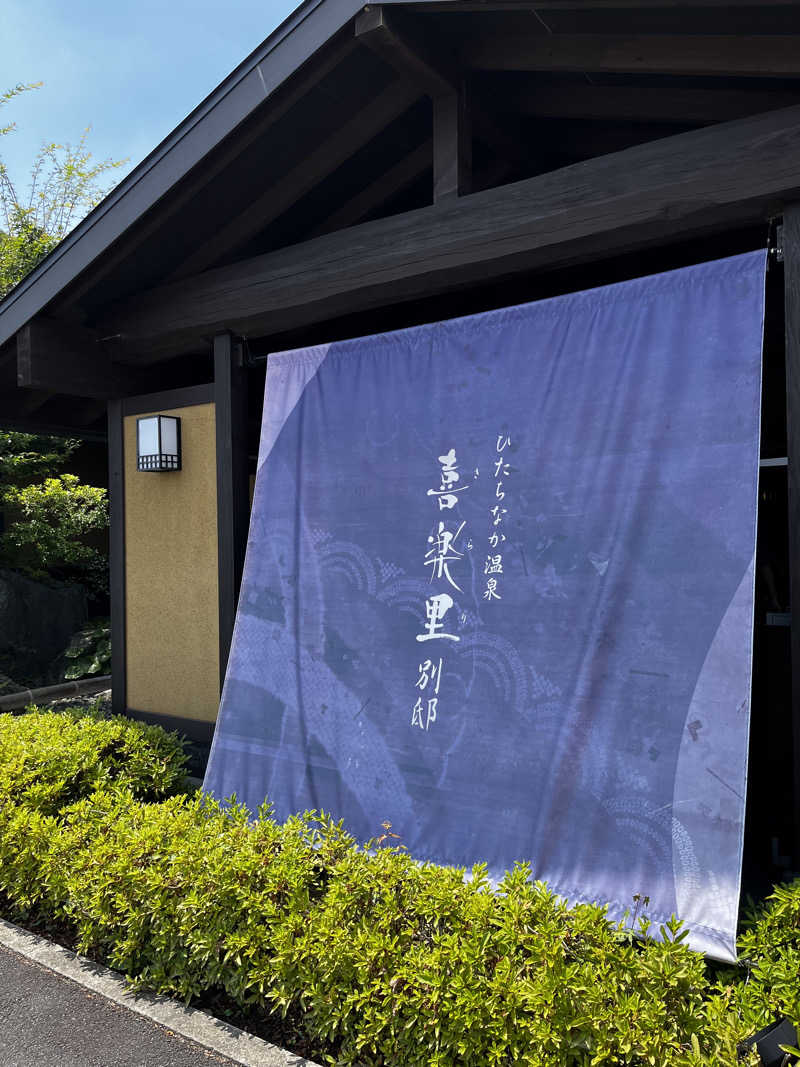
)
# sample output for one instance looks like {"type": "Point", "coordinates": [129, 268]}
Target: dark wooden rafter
{"type": "Point", "coordinates": [732, 173]}
{"type": "Point", "coordinates": [791, 255]}
{"type": "Point", "coordinates": [576, 5]}
{"type": "Point", "coordinates": [438, 77]}
{"type": "Point", "coordinates": [646, 104]}
{"type": "Point", "coordinates": [702, 54]}
{"type": "Point", "coordinates": [329, 154]}
{"type": "Point", "coordinates": [393, 181]}
{"type": "Point", "coordinates": [544, 6]}
{"type": "Point", "coordinates": [389, 36]}
{"type": "Point", "coordinates": [274, 108]}
{"type": "Point", "coordinates": [63, 358]}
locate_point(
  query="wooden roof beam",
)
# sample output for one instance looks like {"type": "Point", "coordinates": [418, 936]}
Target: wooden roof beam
{"type": "Point", "coordinates": [63, 358]}
{"type": "Point", "coordinates": [545, 6]}
{"type": "Point", "coordinates": [438, 77]}
{"type": "Point", "coordinates": [407, 52]}
{"type": "Point", "coordinates": [456, 113]}
{"type": "Point", "coordinates": [647, 104]}
{"type": "Point", "coordinates": [762, 56]}
{"type": "Point", "coordinates": [589, 5]}
{"type": "Point", "coordinates": [271, 111]}
{"type": "Point", "coordinates": [733, 173]}
{"type": "Point", "coordinates": [277, 198]}
{"type": "Point", "coordinates": [393, 181]}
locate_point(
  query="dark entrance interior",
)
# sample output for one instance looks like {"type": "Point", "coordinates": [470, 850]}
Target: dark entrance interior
{"type": "Point", "coordinates": [769, 835]}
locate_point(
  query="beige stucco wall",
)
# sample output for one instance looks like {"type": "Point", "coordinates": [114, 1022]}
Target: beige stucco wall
{"type": "Point", "coordinates": [172, 613]}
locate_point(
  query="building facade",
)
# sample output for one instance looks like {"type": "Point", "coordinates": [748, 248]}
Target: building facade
{"type": "Point", "coordinates": [369, 168]}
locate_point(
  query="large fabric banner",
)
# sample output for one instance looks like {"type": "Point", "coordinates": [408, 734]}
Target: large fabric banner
{"type": "Point", "coordinates": [499, 591]}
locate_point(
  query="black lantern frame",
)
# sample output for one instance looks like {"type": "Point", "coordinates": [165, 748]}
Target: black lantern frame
{"type": "Point", "coordinates": [161, 460]}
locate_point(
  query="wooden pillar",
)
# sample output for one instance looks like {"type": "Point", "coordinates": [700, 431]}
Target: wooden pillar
{"type": "Point", "coordinates": [452, 145]}
{"type": "Point", "coordinates": [233, 503]}
{"type": "Point", "coordinates": [791, 259]}
{"type": "Point", "coordinates": [418, 60]}
{"type": "Point", "coordinates": [116, 497]}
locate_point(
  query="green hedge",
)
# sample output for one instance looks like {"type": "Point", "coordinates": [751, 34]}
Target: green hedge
{"type": "Point", "coordinates": [770, 947]}
{"type": "Point", "coordinates": [391, 961]}
{"type": "Point", "coordinates": [48, 760]}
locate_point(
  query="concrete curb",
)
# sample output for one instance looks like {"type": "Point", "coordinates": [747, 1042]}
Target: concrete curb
{"type": "Point", "coordinates": [189, 1023]}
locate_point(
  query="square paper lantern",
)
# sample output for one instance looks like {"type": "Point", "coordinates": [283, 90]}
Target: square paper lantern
{"type": "Point", "coordinates": [158, 443]}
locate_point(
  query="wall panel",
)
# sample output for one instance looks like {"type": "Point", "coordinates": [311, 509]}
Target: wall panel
{"type": "Point", "coordinates": [172, 621]}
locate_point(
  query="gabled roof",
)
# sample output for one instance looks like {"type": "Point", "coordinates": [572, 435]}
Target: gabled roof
{"type": "Point", "coordinates": [230, 104]}
{"type": "Point", "coordinates": [329, 125]}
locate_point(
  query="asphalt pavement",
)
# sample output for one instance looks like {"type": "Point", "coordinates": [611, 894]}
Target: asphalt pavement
{"type": "Point", "coordinates": [49, 1021]}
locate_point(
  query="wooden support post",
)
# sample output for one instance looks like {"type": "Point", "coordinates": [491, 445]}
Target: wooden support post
{"type": "Point", "coordinates": [116, 495]}
{"type": "Point", "coordinates": [791, 261]}
{"type": "Point", "coordinates": [233, 501]}
{"type": "Point", "coordinates": [452, 145]}
{"type": "Point", "coordinates": [433, 71]}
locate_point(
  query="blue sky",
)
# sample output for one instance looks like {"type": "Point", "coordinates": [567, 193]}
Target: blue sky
{"type": "Point", "coordinates": [131, 71]}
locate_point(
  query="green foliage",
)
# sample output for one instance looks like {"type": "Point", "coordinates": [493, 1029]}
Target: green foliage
{"type": "Point", "coordinates": [26, 458]}
{"type": "Point", "coordinates": [23, 244]}
{"type": "Point", "coordinates": [53, 519]}
{"type": "Point", "coordinates": [389, 960]}
{"type": "Point", "coordinates": [48, 517]}
{"type": "Point", "coordinates": [65, 182]}
{"type": "Point", "coordinates": [9, 94]}
{"type": "Point", "coordinates": [412, 964]}
{"type": "Point", "coordinates": [51, 759]}
{"type": "Point", "coordinates": [771, 947]}
{"type": "Point", "coordinates": [89, 651]}
{"type": "Point", "coordinates": [55, 515]}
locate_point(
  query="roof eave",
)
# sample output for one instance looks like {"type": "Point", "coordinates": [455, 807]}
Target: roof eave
{"type": "Point", "coordinates": [255, 79]}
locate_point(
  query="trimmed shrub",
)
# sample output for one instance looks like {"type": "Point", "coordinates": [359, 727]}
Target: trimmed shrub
{"type": "Point", "coordinates": [184, 896]}
{"type": "Point", "coordinates": [770, 948]}
{"type": "Point", "coordinates": [50, 759]}
{"type": "Point", "coordinates": [390, 961]}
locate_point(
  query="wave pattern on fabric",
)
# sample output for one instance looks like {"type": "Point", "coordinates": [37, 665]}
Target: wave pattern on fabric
{"type": "Point", "coordinates": [499, 591]}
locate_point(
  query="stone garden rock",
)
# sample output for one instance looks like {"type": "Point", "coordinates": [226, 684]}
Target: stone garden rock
{"type": "Point", "coordinates": [37, 620]}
